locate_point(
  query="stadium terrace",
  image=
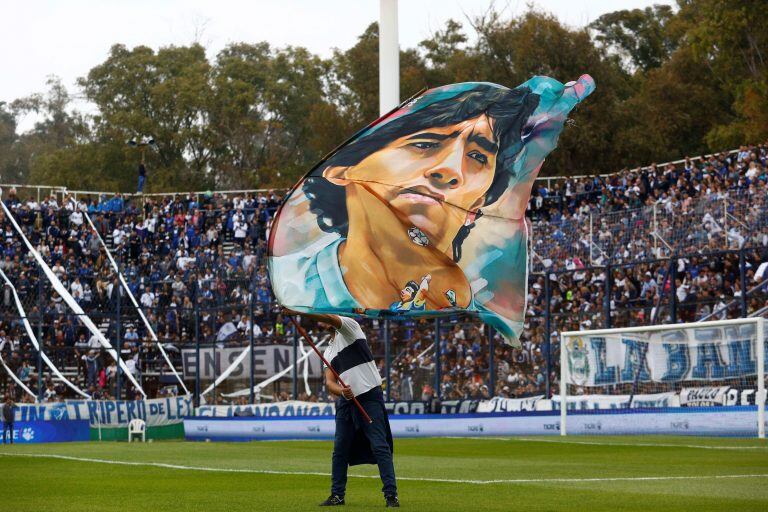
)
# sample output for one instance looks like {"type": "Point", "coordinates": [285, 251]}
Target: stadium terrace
{"type": "Point", "coordinates": [608, 251]}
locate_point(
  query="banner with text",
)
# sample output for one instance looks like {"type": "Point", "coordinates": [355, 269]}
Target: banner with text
{"type": "Point", "coordinates": [50, 431]}
{"type": "Point", "coordinates": [703, 397]}
{"type": "Point", "coordinates": [111, 413]}
{"type": "Point", "coordinates": [299, 408]}
{"type": "Point", "coordinates": [267, 361]}
{"type": "Point", "coordinates": [596, 402]}
{"type": "Point", "coordinates": [499, 404]}
{"type": "Point", "coordinates": [707, 354]}
{"type": "Point", "coordinates": [680, 421]}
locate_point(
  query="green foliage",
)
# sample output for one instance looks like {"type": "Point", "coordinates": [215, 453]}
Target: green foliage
{"type": "Point", "coordinates": [729, 38]}
{"type": "Point", "coordinates": [165, 94]}
{"type": "Point", "coordinates": [641, 37]}
{"type": "Point", "coordinates": [670, 82]}
{"type": "Point", "coordinates": [10, 168]}
{"type": "Point", "coordinates": [512, 50]}
{"type": "Point", "coordinates": [672, 112]}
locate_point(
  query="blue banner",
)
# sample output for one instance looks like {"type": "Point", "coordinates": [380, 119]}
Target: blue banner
{"type": "Point", "coordinates": [25, 432]}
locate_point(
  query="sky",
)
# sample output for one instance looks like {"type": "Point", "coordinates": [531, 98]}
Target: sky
{"type": "Point", "coordinates": [67, 38]}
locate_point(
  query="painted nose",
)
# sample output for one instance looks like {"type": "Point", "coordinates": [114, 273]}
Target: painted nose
{"type": "Point", "coordinates": [448, 173]}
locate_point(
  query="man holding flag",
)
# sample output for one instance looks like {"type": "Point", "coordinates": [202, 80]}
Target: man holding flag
{"type": "Point", "coordinates": [357, 441]}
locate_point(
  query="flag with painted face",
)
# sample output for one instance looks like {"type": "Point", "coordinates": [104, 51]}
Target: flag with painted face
{"type": "Point", "coordinates": [422, 213]}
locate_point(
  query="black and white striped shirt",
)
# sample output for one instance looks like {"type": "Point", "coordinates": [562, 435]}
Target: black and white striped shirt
{"type": "Point", "coordinates": [351, 357]}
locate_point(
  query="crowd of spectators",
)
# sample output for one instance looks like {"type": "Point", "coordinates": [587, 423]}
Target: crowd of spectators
{"type": "Point", "coordinates": [696, 206]}
{"type": "Point", "coordinates": [704, 211]}
{"type": "Point", "coordinates": [196, 264]}
{"type": "Point", "coordinates": [184, 258]}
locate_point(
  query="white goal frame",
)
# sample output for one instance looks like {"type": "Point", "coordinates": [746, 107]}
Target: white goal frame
{"type": "Point", "coordinates": [758, 322]}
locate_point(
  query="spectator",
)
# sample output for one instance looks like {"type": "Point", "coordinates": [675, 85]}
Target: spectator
{"type": "Point", "coordinates": [9, 415]}
{"type": "Point", "coordinates": [142, 176]}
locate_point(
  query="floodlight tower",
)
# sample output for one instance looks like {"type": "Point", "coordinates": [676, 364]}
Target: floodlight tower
{"type": "Point", "coordinates": [389, 57]}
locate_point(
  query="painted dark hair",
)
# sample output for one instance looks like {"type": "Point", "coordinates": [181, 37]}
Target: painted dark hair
{"type": "Point", "coordinates": [508, 108]}
{"type": "Point", "coordinates": [413, 286]}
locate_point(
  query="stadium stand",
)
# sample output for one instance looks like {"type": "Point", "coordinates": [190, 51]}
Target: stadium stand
{"type": "Point", "coordinates": [624, 249]}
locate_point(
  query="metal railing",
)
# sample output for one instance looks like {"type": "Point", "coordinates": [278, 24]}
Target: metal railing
{"type": "Point", "coordinates": [730, 222]}
{"type": "Point", "coordinates": [547, 179]}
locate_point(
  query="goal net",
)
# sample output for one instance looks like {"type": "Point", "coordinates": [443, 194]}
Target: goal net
{"type": "Point", "coordinates": [705, 378]}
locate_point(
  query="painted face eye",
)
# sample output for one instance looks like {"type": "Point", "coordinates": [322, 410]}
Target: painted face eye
{"type": "Point", "coordinates": [480, 157]}
{"type": "Point", "coordinates": [424, 145]}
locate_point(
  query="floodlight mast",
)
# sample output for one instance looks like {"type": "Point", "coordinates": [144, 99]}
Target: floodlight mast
{"type": "Point", "coordinates": [389, 57]}
{"type": "Point", "coordinates": [142, 143]}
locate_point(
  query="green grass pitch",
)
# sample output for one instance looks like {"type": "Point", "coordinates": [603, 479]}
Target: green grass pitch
{"type": "Point", "coordinates": [533, 474]}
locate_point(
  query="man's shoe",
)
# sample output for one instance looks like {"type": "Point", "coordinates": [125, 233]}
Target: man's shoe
{"type": "Point", "coordinates": [392, 501]}
{"type": "Point", "coordinates": [333, 501]}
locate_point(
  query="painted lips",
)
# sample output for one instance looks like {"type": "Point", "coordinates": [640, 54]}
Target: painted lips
{"type": "Point", "coordinates": [420, 194]}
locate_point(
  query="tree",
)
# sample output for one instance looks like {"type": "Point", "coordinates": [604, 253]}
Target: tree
{"type": "Point", "coordinates": [165, 94]}
{"type": "Point", "coordinates": [671, 113]}
{"type": "Point", "coordinates": [751, 122]}
{"type": "Point", "coordinates": [59, 130]}
{"type": "Point", "coordinates": [641, 37]}
{"type": "Point", "coordinates": [293, 95]}
{"type": "Point", "coordinates": [239, 115]}
{"type": "Point", "coordinates": [729, 39]}
{"type": "Point", "coordinates": [670, 82]}
{"type": "Point", "coordinates": [449, 58]}
{"type": "Point", "coordinates": [357, 74]}
{"type": "Point", "coordinates": [509, 51]}
{"type": "Point", "coordinates": [728, 36]}
{"type": "Point", "coordinates": [10, 170]}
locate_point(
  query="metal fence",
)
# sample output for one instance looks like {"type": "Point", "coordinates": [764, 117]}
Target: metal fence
{"type": "Point", "coordinates": [41, 191]}
{"type": "Point", "coordinates": [729, 220]}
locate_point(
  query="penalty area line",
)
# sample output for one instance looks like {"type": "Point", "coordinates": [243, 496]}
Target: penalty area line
{"type": "Point", "coordinates": [164, 465]}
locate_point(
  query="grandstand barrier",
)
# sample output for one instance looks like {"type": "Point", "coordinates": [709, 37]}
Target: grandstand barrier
{"type": "Point", "coordinates": [694, 421]}
{"type": "Point", "coordinates": [702, 411]}
{"type": "Point", "coordinates": [108, 420]}
{"type": "Point", "coordinates": [300, 408]}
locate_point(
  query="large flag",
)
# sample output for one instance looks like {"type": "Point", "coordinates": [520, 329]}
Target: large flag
{"type": "Point", "coordinates": [422, 213]}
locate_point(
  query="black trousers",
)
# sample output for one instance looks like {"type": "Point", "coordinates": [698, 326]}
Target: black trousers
{"type": "Point", "coordinates": [376, 433]}
{"type": "Point", "coordinates": [8, 426]}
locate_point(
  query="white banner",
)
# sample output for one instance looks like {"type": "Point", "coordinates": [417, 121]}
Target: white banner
{"type": "Point", "coordinates": [717, 422]}
{"type": "Point", "coordinates": [445, 407]}
{"type": "Point", "coordinates": [706, 354]}
{"type": "Point", "coordinates": [267, 360]}
{"type": "Point", "coordinates": [509, 404]}
{"type": "Point", "coordinates": [111, 413]}
{"type": "Point", "coordinates": [704, 397]}
{"type": "Point", "coordinates": [299, 408]}
{"type": "Point", "coordinates": [289, 408]}
{"type": "Point", "coordinates": [596, 402]}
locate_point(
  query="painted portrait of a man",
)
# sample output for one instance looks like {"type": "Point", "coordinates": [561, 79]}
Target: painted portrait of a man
{"type": "Point", "coordinates": [437, 188]}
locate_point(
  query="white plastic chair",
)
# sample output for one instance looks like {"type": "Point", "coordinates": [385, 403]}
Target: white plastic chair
{"type": "Point", "coordinates": [137, 426]}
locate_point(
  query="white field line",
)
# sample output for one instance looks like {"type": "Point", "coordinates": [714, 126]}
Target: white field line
{"type": "Point", "coordinates": [597, 443]}
{"type": "Point", "coordinates": [409, 479]}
